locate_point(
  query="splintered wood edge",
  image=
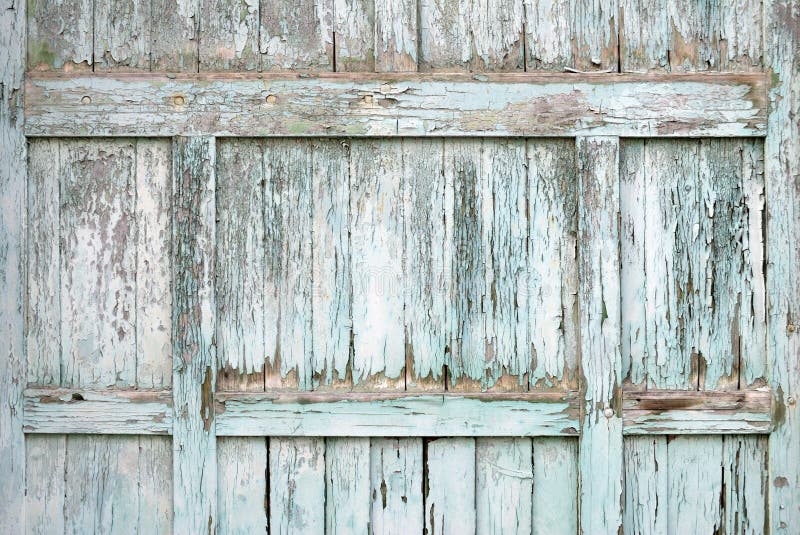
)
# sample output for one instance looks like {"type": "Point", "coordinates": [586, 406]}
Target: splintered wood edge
{"type": "Point", "coordinates": [395, 105]}
{"type": "Point", "coordinates": [149, 412]}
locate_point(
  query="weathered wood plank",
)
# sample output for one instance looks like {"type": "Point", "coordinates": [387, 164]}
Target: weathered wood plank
{"type": "Point", "coordinates": [229, 35]}
{"type": "Point", "coordinates": [297, 485]}
{"type": "Point", "coordinates": [193, 327]}
{"type": "Point", "coordinates": [745, 484]}
{"type": "Point", "coordinates": [43, 310]}
{"type": "Point", "coordinates": [331, 276]}
{"type": "Point", "coordinates": [504, 485]}
{"type": "Point", "coordinates": [646, 485]}
{"type": "Point", "coordinates": [472, 35]}
{"type": "Point", "coordinates": [155, 485]}
{"type": "Point", "coordinates": [450, 486]}
{"type": "Point", "coordinates": [365, 415]}
{"type": "Point", "coordinates": [98, 263]}
{"type": "Point", "coordinates": [122, 35]}
{"type": "Point", "coordinates": [555, 486]}
{"type": "Point", "coordinates": [376, 245]}
{"type": "Point", "coordinates": [396, 473]}
{"type": "Point", "coordinates": [240, 261]}
{"type": "Point", "coordinates": [373, 105]}
{"type": "Point", "coordinates": [153, 264]}
{"type": "Point", "coordinates": [601, 470]}
{"type": "Point", "coordinates": [44, 484]}
{"type": "Point", "coordinates": [347, 486]}
{"type": "Point", "coordinates": [396, 23]}
{"type": "Point", "coordinates": [174, 43]}
{"type": "Point", "coordinates": [59, 35]}
{"type": "Point", "coordinates": [242, 485]}
{"type": "Point", "coordinates": [694, 484]}
{"type": "Point", "coordinates": [552, 271]}
{"type": "Point", "coordinates": [782, 40]}
{"type": "Point", "coordinates": [354, 34]}
{"type": "Point", "coordinates": [113, 411]}
{"type": "Point", "coordinates": [287, 280]}
{"type": "Point", "coordinates": [13, 199]}
{"type": "Point", "coordinates": [296, 34]}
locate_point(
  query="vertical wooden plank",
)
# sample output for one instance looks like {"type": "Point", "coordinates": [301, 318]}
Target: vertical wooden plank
{"type": "Point", "coordinates": [741, 36]}
{"type": "Point", "coordinates": [695, 484]}
{"type": "Point", "coordinates": [229, 35]}
{"type": "Point", "coordinates": [43, 314]}
{"type": "Point", "coordinates": [153, 264]}
{"type": "Point", "coordinates": [396, 473]}
{"type": "Point", "coordinates": [101, 484]}
{"type": "Point", "coordinates": [601, 468]}
{"type": "Point", "coordinates": [473, 35]}
{"type": "Point", "coordinates": [155, 485]}
{"type": "Point", "coordinates": [555, 486]}
{"type": "Point", "coordinates": [744, 459]}
{"type": "Point", "coordinates": [783, 258]}
{"type": "Point", "coordinates": [296, 34]}
{"type": "Point", "coordinates": [504, 479]}
{"type": "Point", "coordinates": [354, 35]}
{"type": "Point", "coordinates": [376, 240]}
{"type": "Point", "coordinates": [424, 280]}
{"type": "Point", "coordinates": [644, 36]}
{"type": "Point", "coordinates": [174, 35]}
{"type": "Point", "coordinates": [450, 486]}
{"type": "Point", "coordinates": [122, 35]}
{"type": "Point", "coordinates": [59, 35]}
{"type": "Point", "coordinates": [241, 259]}
{"type": "Point", "coordinates": [242, 485]}
{"type": "Point", "coordinates": [13, 196]}
{"type": "Point", "coordinates": [396, 35]}
{"type": "Point", "coordinates": [98, 263]}
{"type": "Point", "coordinates": [287, 284]}
{"type": "Point", "coordinates": [193, 327]}
{"type": "Point", "coordinates": [571, 35]}
{"type": "Point", "coordinates": [552, 276]}
{"type": "Point", "coordinates": [646, 485]}
{"type": "Point", "coordinates": [347, 486]}
{"type": "Point", "coordinates": [297, 485]}
{"type": "Point", "coordinates": [331, 296]}
{"type": "Point", "coordinates": [44, 485]}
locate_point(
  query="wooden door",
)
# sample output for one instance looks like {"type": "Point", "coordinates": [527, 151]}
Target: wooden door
{"type": "Point", "coordinates": [394, 266]}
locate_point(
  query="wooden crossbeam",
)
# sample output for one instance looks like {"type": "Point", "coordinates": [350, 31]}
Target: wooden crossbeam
{"type": "Point", "coordinates": [346, 104]}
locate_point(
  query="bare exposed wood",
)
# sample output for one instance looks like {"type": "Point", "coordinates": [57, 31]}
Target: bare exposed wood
{"type": "Point", "coordinates": [59, 35]}
{"type": "Point", "coordinates": [379, 105]}
{"type": "Point", "coordinates": [229, 35]}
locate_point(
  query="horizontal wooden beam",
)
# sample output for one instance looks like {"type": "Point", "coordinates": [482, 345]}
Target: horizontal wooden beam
{"type": "Point", "coordinates": [343, 104]}
{"type": "Point", "coordinates": [147, 412]}
{"type": "Point", "coordinates": [659, 412]}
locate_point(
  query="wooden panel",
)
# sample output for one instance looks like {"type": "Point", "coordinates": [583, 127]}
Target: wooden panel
{"type": "Point", "coordinates": [354, 33]}
{"type": "Point", "coordinates": [365, 415]}
{"type": "Point", "coordinates": [59, 35]}
{"type": "Point", "coordinates": [552, 271]}
{"type": "Point", "coordinates": [555, 486]}
{"type": "Point", "coordinates": [744, 463]}
{"type": "Point", "coordinates": [174, 35]}
{"type": "Point", "coordinates": [155, 485]}
{"type": "Point", "coordinates": [396, 23]}
{"type": "Point", "coordinates": [694, 484]}
{"type": "Point", "coordinates": [471, 35]}
{"type": "Point", "coordinates": [347, 486]}
{"type": "Point", "coordinates": [396, 474]}
{"type": "Point", "coordinates": [601, 470]}
{"type": "Point", "coordinates": [122, 35]}
{"type": "Point", "coordinates": [704, 317]}
{"type": "Point", "coordinates": [296, 34]}
{"type": "Point", "coordinates": [297, 485]}
{"type": "Point", "coordinates": [646, 484]}
{"type": "Point", "coordinates": [504, 478]}
{"type": "Point", "coordinates": [450, 486]}
{"type": "Point", "coordinates": [229, 35]}
{"type": "Point", "coordinates": [114, 411]}
{"type": "Point", "coordinates": [242, 485]}
{"type": "Point", "coordinates": [287, 246]}
{"type": "Point", "coordinates": [98, 264]}
{"type": "Point", "coordinates": [376, 240]}
{"type": "Point", "coordinates": [404, 105]}
{"type": "Point", "coordinates": [783, 280]}
{"type": "Point", "coordinates": [44, 484]}
{"type": "Point", "coordinates": [194, 351]}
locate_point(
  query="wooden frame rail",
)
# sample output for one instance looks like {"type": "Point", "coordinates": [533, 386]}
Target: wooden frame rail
{"type": "Point", "coordinates": [285, 104]}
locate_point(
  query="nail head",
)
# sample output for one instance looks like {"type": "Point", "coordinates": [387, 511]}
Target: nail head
{"type": "Point", "coordinates": [272, 99]}
{"type": "Point", "coordinates": [609, 412]}
{"type": "Point", "coordinates": [179, 100]}
{"type": "Point", "coordinates": [86, 99]}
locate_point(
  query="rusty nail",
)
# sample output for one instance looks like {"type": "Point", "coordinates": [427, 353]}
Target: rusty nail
{"type": "Point", "coordinates": [272, 99]}
{"type": "Point", "coordinates": [86, 99]}
{"type": "Point", "coordinates": [179, 100]}
{"type": "Point", "coordinates": [791, 401]}
{"type": "Point", "coordinates": [608, 412]}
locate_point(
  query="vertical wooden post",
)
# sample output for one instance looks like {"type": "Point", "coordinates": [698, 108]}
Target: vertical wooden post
{"type": "Point", "coordinates": [194, 353]}
{"type": "Point", "coordinates": [13, 167]}
{"type": "Point", "coordinates": [782, 170]}
{"type": "Point", "coordinates": [600, 454]}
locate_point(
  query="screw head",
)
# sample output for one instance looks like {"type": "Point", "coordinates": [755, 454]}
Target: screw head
{"type": "Point", "coordinates": [179, 100]}
{"type": "Point", "coordinates": [608, 412]}
{"type": "Point", "coordinates": [86, 99]}
{"type": "Point", "coordinates": [791, 401]}
{"type": "Point", "coordinates": [272, 99]}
